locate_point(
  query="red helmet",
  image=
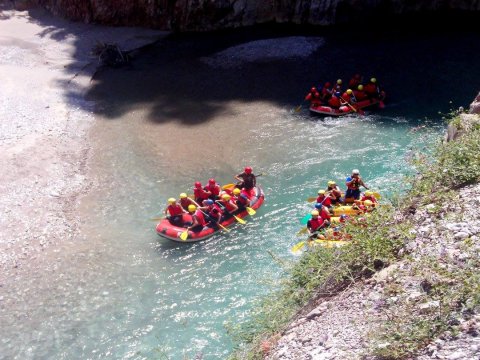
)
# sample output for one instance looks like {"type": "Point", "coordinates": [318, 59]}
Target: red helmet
{"type": "Point", "coordinates": [212, 181]}
{"type": "Point", "coordinates": [357, 76]}
{"type": "Point", "coordinates": [198, 184]}
{"type": "Point", "coordinates": [248, 170]}
{"type": "Point", "coordinates": [313, 89]}
{"type": "Point", "coordinates": [327, 85]}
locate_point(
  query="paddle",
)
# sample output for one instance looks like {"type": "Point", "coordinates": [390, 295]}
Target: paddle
{"type": "Point", "coordinates": [377, 195]}
{"type": "Point", "coordinates": [157, 218]}
{"type": "Point", "coordinates": [359, 111]}
{"type": "Point", "coordinates": [302, 231]}
{"type": "Point", "coordinates": [299, 107]}
{"type": "Point", "coordinates": [240, 220]}
{"type": "Point", "coordinates": [305, 219]}
{"type": "Point", "coordinates": [184, 235]}
{"type": "Point", "coordinates": [251, 211]}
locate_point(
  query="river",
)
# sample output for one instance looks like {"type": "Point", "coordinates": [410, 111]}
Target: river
{"type": "Point", "coordinates": [193, 107]}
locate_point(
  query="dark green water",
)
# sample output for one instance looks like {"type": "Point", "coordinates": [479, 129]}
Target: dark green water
{"type": "Point", "coordinates": [122, 292]}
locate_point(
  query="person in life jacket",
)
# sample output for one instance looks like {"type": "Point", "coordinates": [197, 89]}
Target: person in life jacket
{"type": "Point", "coordinates": [335, 192]}
{"type": "Point", "coordinates": [313, 96]}
{"type": "Point", "coordinates": [371, 89]}
{"type": "Point", "coordinates": [241, 198]}
{"type": "Point", "coordinates": [214, 218]}
{"type": "Point", "coordinates": [359, 93]}
{"type": "Point", "coordinates": [369, 196]}
{"type": "Point", "coordinates": [338, 86]}
{"type": "Point", "coordinates": [213, 189]}
{"type": "Point", "coordinates": [334, 101]}
{"type": "Point", "coordinates": [198, 219]}
{"type": "Point", "coordinates": [247, 179]}
{"type": "Point", "coordinates": [326, 92]}
{"type": "Point", "coordinates": [324, 212]}
{"type": "Point", "coordinates": [348, 97]}
{"type": "Point", "coordinates": [316, 223]}
{"type": "Point", "coordinates": [227, 206]}
{"type": "Point", "coordinates": [355, 81]}
{"type": "Point", "coordinates": [366, 206]}
{"type": "Point", "coordinates": [353, 183]}
{"type": "Point", "coordinates": [199, 193]}
{"type": "Point", "coordinates": [324, 198]}
{"type": "Point", "coordinates": [175, 212]}
{"type": "Point", "coordinates": [185, 201]}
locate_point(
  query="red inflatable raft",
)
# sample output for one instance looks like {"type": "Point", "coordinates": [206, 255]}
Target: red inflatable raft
{"type": "Point", "coordinates": [321, 109]}
{"type": "Point", "coordinates": [167, 230]}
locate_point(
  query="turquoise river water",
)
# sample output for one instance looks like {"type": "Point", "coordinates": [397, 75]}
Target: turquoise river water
{"type": "Point", "coordinates": [199, 106]}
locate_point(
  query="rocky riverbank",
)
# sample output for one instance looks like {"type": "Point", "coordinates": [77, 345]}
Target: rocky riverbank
{"type": "Point", "coordinates": [424, 306]}
{"type": "Point", "coordinates": [46, 67]}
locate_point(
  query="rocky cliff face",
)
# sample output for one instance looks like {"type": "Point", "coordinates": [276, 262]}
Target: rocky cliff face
{"type": "Point", "coordinates": [200, 15]}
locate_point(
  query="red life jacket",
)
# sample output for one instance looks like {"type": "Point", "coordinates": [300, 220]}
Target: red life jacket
{"type": "Point", "coordinates": [370, 89]}
{"type": "Point", "coordinates": [199, 193]}
{"type": "Point", "coordinates": [371, 198]}
{"type": "Point", "coordinates": [353, 83]}
{"type": "Point", "coordinates": [324, 200]}
{"type": "Point", "coordinates": [334, 102]}
{"type": "Point", "coordinates": [175, 209]}
{"type": "Point", "coordinates": [324, 214]}
{"type": "Point", "coordinates": [353, 185]}
{"type": "Point", "coordinates": [360, 95]}
{"type": "Point", "coordinates": [185, 202]}
{"type": "Point", "coordinates": [200, 218]}
{"type": "Point", "coordinates": [314, 224]}
{"type": "Point", "coordinates": [215, 189]}
{"type": "Point", "coordinates": [242, 198]}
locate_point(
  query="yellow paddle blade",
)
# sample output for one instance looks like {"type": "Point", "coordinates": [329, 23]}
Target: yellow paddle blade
{"type": "Point", "coordinates": [302, 231]}
{"type": "Point", "coordinates": [298, 247]}
{"type": "Point", "coordinates": [377, 195]}
{"type": "Point", "coordinates": [224, 228]}
{"type": "Point", "coordinates": [184, 235]}
{"type": "Point", "coordinates": [250, 211]}
{"type": "Point", "coordinates": [311, 199]}
{"type": "Point", "coordinates": [297, 109]}
{"type": "Point", "coordinates": [228, 186]}
{"type": "Point", "coordinates": [241, 221]}
{"type": "Point", "coordinates": [157, 218]}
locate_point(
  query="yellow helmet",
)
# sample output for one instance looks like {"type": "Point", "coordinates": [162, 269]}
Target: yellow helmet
{"type": "Point", "coordinates": [339, 81]}
{"type": "Point", "coordinates": [315, 213]}
{"type": "Point", "coordinates": [183, 195]}
{"type": "Point", "coordinates": [331, 183]}
{"type": "Point", "coordinates": [236, 191]}
{"type": "Point", "coordinates": [373, 80]}
{"type": "Point", "coordinates": [368, 193]}
{"type": "Point", "coordinates": [360, 87]}
{"type": "Point", "coordinates": [321, 192]}
{"type": "Point", "coordinates": [191, 208]}
{"type": "Point", "coordinates": [171, 200]}
{"type": "Point", "coordinates": [226, 197]}
{"type": "Point", "coordinates": [349, 91]}
{"type": "Point", "coordinates": [368, 203]}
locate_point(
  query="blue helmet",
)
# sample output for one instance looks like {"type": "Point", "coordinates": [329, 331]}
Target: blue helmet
{"type": "Point", "coordinates": [318, 206]}
{"type": "Point", "coordinates": [209, 202]}
{"type": "Point", "coordinates": [337, 94]}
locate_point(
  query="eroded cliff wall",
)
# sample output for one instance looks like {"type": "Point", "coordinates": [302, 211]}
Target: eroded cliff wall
{"type": "Point", "coordinates": [201, 15]}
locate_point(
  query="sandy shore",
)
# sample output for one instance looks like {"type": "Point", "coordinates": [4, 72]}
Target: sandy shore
{"type": "Point", "coordinates": [46, 67]}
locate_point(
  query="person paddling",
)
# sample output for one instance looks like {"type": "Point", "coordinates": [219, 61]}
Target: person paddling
{"type": "Point", "coordinates": [335, 192]}
{"type": "Point", "coordinates": [241, 198]}
{"type": "Point", "coordinates": [213, 189]}
{"type": "Point", "coordinates": [198, 219]}
{"type": "Point", "coordinates": [247, 179]}
{"type": "Point", "coordinates": [175, 212]}
{"type": "Point", "coordinates": [185, 201]}
{"type": "Point", "coordinates": [315, 224]}
{"type": "Point", "coordinates": [199, 193]}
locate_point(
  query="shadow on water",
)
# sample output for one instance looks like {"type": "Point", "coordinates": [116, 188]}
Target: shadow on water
{"type": "Point", "coordinates": [415, 67]}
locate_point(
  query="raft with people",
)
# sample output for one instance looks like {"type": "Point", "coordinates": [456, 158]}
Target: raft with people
{"type": "Point", "coordinates": [333, 209]}
{"type": "Point", "coordinates": [211, 209]}
{"type": "Point", "coordinates": [333, 101]}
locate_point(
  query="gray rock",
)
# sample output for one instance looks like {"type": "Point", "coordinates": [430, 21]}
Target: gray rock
{"type": "Point", "coordinates": [461, 235]}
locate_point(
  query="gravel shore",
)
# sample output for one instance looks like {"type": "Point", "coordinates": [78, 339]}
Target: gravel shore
{"type": "Point", "coordinates": [46, 66]}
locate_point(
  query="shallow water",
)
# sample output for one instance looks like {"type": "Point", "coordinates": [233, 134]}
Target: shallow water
{"type": "Point", "coordinates": [186, 111]}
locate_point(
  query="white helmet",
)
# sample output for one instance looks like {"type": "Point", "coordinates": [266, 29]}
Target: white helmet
{"type": "Point", "coordinates": [356, 172]}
